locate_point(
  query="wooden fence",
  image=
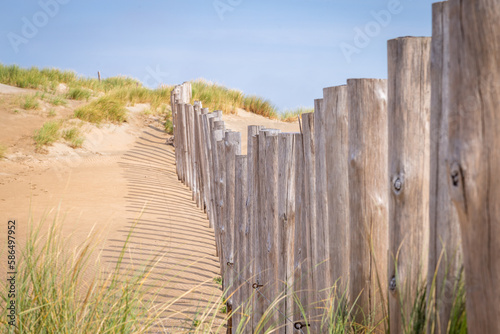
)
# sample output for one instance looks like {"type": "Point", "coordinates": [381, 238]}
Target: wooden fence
{"type": "Point", "coordinates": [374, 200]}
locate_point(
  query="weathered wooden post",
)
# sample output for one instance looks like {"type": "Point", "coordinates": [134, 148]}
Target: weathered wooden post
{"type": "Point", "coordinates": [445, 263]}
{"type": "Point", "coordinates": [473, 153]}
{"type": "Point", "coordinates": [174, 100]}
{"type": "Point", "coordinates": [368, 190]}
{"type": "Point", "coordinates": [310, 193]}
{"type": "Point", "coordinates": [189, 143]}
{"type": "Point", "coordinates": [242, 288]}
{"type": "Point", "coordinates": [197, 181]}
{"type": "Point", "coordinates": [218, 133]}
{"type": "Point", "coordinates": [321, 245]}
{"type": "Point", "coordinates": [253, 216]}
{"type": "Point", "coordinates": [336, 139]}
{"type": "Point", "coordinates": [252, 212]}
{"type": "Point", "coordinates": [232, 146]}
{"type": "Point", "coordinates": [206, 156]}
{"type": "Point", "coordinates": [181, 110]}
{"type": "Point", "coordinates": [302, 283]}
{"type": "Point", "coordinates": [408, 120]}
{"type": "Point", "coordinates": [286, 226]}
{"type": "Point", "coordinates": [265, 247]}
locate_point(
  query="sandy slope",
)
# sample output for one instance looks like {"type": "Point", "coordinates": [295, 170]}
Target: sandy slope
{"type": "Point", "coordinates": [123, 174]}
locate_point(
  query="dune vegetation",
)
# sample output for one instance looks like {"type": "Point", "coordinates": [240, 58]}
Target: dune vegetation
{"type": "Point", "coordinates": [129, 91]}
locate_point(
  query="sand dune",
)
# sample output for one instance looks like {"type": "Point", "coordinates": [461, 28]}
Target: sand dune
{"type": "Point", "coordinates": [122, 175]}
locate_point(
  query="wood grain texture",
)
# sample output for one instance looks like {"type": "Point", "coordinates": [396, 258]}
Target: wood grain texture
{"type": "Point", "coordinates": [474, 155]}
{"type": "Point", "coordinates": [445, 254]}
{"type": "Point", "coordinates": [408, 119]}
{"type": "Point", "coordinates": [336, 138]}
{"type": "Point", "coordinates": [242, 288]}
{"type": "Point", "coordinates": [218, 134]}
{"type": "Point", "coordinates": [286, 225]}
{"type": "Point", "coordinates": [310, 207]}
{"type": "Point", "coordinates": [368, 191]}
{"type": "Point", "coordinates": [254, 223]}
{"type": "Point", "coordinates": [232, 146]}
{"type": "Point", "coordinates": [265, 246]}
{"type": "Point", "coordinates": [321, 244]}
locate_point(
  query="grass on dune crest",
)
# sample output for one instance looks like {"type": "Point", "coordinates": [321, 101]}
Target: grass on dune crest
{"type": "Point", "coordinates": [217, 97]}
{"type": "Point", "coordinates": [104, 109]}
{"type": "Point", "coordinates": [48, 79]}
{"type": "Point", "coordinates": [129, 91]}
{"type": "Point", "coordinates": [291, 115]}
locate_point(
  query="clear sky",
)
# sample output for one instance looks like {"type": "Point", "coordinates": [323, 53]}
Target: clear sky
{"type": "Point", "coordinates": [283, 50]}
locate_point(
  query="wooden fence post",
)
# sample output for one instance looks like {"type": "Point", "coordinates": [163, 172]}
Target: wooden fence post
{"type": "Point", "coordinates": [217, 137]}
{"type": "Point", "coordinates": [264, 247]}
{"type": "Point", "coordinates": [310, 199]}
{"type": "Point", "coordinates": [174, 100]}
{"type": "Point", "coordinates": [408, 120]}
{"type": "Point", "coordinates": [321, 244]}
{"type": "Point", "coordinates": [232, 146]}
{"type": "Point", "coordinates": [474, 155]}
{"type": "Point", "coordinates": [181, 107]}
{"type": "Point", "coordinates": [199, 155]}
{"type": "Point", "coordinates": [241, 242]}
{"type": "Point", "coordinates": [252, 213]}
{"type": "Point", "coordinates": [213, 164]}
{"type": "Point", "coordinates": [445, 263]}
{"type": "Point", "coordinates": [188, 111]}
{"type": "Point", "coordinates": [368, 204]}
{"type": "Point", "coordinates": [286, 227]}
{"type": "Point", "coordinates": [336, 139]}
{"type": "Point", "coordinates": [302, 284]}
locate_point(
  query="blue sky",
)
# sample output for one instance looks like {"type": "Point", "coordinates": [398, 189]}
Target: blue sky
{"type": "Point", "coordinates": [283, 50]}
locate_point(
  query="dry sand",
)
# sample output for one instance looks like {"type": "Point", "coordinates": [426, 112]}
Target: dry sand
{"type": "Point", "coordinates": [122, 175]}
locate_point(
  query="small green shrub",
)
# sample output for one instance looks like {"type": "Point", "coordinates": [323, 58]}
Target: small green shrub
{"type": "Point", "coordinates": [79, 93]}
{"type": "Point", "coordinates": [52, 113]}
{"type": "Point", "coordinates": [58, 101]}
{"type": "Point", "coordinates": [48, 134]}
{"type": "Point", "coordinates": [169, 126]}
{"type": "Point", "coordinates": [30, 102]}
{"type": "Point", "coordinates": [103, 109]}
{"type": "Point", "coordinates": [73, 136]}
{"type": "Point", "coordinates": [218, 280]}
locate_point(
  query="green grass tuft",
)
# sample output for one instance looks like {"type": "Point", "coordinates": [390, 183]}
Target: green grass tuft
{"type": "Point", "coordinates": [48, 134]}
{"type": "Point", "coordinates": [73, 137]}
{"type": "Point", "coordinates": [55, 295]}
{"type": "Point", "coordinates": [58, 101]}
{"type": "Point", "coordinates": [79, 93]}
{"type": "Point", "coordinates": [104, 109]}
{"type": "Point", "coordinates": [30, 102]}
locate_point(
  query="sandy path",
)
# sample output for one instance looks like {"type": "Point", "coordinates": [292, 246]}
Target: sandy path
{"type": "Point", "coordinates": [124, 175]}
